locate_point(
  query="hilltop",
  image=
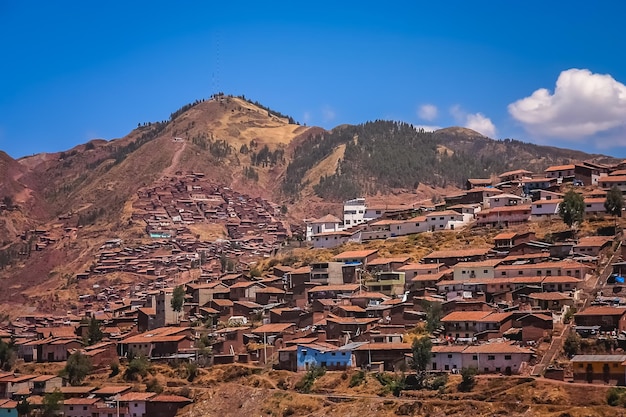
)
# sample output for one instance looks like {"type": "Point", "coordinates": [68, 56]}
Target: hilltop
{"type": "Point", "coordinates": [76, 199]}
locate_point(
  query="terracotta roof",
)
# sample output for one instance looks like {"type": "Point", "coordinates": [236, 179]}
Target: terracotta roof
{"type": "Point", "coordinates": [497, 348]}
{"type": "Point", "coordinates": [594, 241]}
{"type": "Point", "coordinates": [459, 253]}
{"type": "Point", "coordinates": [329, 218]}
{"type": "Point", "coordinates": [517, 171]}
{"type": "Point", "coordinates": [273, 328]}
{"type": "Point", "coordinates": [136, 396]}
{"type": "Point", "coordinates": [613, 178]}
{"type": "Point", "coordinates": [80, 401]}
{"type": "Point", "coordinates": [559, 168]}
{"type": "Point", "coordinates": [112, 389]}
{"type": "Point", "coordinates": [549, 296]}
{"type": "Point", "coordinates": [479, 264]}
{"type": "Point", "coordinates": [244, 284]}
{"type": "Point", "coordinates": [162, 398]}
{"type": "Point", "coordinates": [385, 346]}
{"type": "Point", "coordinates": [352, 254]}
{"type": "Point", "coordinates": [385, 261]}
{"type": "Point", "coordinates": [420, 267]}
{"type": "Point", "coordinates": [337, 287]}
{"type": "Point", "coordinates": [465, 316]}
{"type": "Point", "coordinates": [505, 235]}
{"type": "Point", "coordinates": [602, 311]}
{"type": "Point", "coordinates": [448, 348]}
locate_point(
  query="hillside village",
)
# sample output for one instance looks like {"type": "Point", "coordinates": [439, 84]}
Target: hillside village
{"type": "Point", "coordinates": [507, 307]}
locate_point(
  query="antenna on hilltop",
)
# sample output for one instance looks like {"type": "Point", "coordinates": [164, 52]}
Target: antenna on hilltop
{"type": "Point", "coordinates": [216, 70]}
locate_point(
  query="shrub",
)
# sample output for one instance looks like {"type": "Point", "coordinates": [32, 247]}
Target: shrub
{"type": "Point", "coordinates": [138, 366]}
{"type": "Point", "coordinates": [307, 381]}
{"type": "Point", "coordinates": [77, 368]}
{"type": "Point", "coordinates": [152, 385]}
{"type": "Point", "coordinates": [115, 369]}
{"type": "Point", "coordinates": [468, 379]}
{"type": "Point", "coordinates": [192, 371]}
{"type": "Point", "coordinates": [357, 378]}
{"type": "Point", "coordinates": [571, 346]}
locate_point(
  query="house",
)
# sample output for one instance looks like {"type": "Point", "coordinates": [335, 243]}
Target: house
{"type": "Point", "coordinates": [8, 408]}
{"type": "Point", "coordinates": [589, 173]}
{"type": "Point", "coordinates": [388, 283]}
{"type": "Point", "coordinates": [357, 256]}
{"type": "Point", "coordinates": [608, 318]}
{"type": "Point", "coordinates": [390, 355]}
{"type": "Point", "coordinates": [592, 245]}
{"type": "Point", "coordinates": [561, 172]}
{"type": "Point", "coordinates": [506, 358]}
{"type": "Point", "coordinates": [611, 181]}
{"type": "Point", "coordinates": [332, 291]}
{"type": "Point", "coordinates": [594, 205]}
{"type": "Point", "coordinates": [463, 324]}
{"type": "Point", "coordinates": [244, 290]}
{"type": "Point", "coordinates": [553, 301]}
{"type": "Point", "coordinates": [444, 220]}
{"type": "Point", "coordinates": [516, 175]}
{"type": "Point", "coordinates": [387, 264]}
{"type": "Point", "coordinates": [325, 224]}
{"type": "Point", "coordinates": [324, 355]}
{"type": "Point", "coordinates": [78, 407]}
{"type": "Point", "coordinates": [560, 268]}
{"type": "Point", "coordinates": [447, 358]}
{"type": "Point", "coordinates": [535, 326]}
{"type": "Point", "coordinates": [470, 270]}
{"type": "Point", "coordinates": [347, 328]}
{"type": "Point", "coordinates": [606, 369]}
{"type": "Point", "coordinates": [504, 216]}
{"type": "Point", "coordinates": [164, 341]}
{"type": "Point", "coordinates": [478, 182]}
{"type": "Point", "coordinates": [165, 405]}
{"type": "Point", "coordinates": [452, 257]}
{"type": "Point", "coordinates": [506, 240]}
{"type": "Point", "coordinates": [530, 185]}
{"type": "Point", "coordinates": [327, 273]}
{"type": "Point", "coordinates": [544, 209]}
{"type": "Point", "coordinates": [503, 200]}
{"type": "Point", "coordinates": [135, 402]}
{"type": "Point", "coordinates": [330, 239]}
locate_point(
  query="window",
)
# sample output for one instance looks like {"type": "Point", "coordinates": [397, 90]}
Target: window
{"type": "Point", "coordinates": [449, 356]}
{"type": "Point", "coordinates": [507, 357]}
{"type": "Point", "coordinates": [485, 271]}
{"type": "Point", "coordinates": [491, 357]}
{"type": "Point", "coordinates": [538, 205]}
{"type": "Point", "coordinates": [474, 357]}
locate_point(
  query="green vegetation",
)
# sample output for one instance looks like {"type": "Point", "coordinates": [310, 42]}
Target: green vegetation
{"type": "Point", "coordinates": [468, 379]}
{"type": "Point", "coordinates": [23, 408]}
{"type": "Point", "coordinates": [270, 112]}
{"type": "Point", "coordinates": [77, 368]}
{"type": "Point", "coordinates": [51, 403]}
{"type": "Point", "coordinates": [571, 345]}
{"type": "Point", "coordinates": [422, 348]}
{"type": "Point", "coordinates": [137, 367]}
{"type": "Point", "coordinates": [7, 355]}
{"type": "Point", "coordinates": [307, 381]}
{"type": "Point", "coordinates": [178, 298]}
{"type": "Point", "coordinates": [395, 154]}
{"type": "Point", "coordinates": [94, 334]}
{"type": "Point", "coordinates": [572, 209]}
{"type": "Point", "coordinates": [357, 378]}
{"type": "Point", "coordinates": [391, 383]}
{"type": "Point", "coordinates": [614, 202]}
{"type": "Point", "coordinates": [616, 396]}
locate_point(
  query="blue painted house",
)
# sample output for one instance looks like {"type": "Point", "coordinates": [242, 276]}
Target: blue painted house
{"type": "Point", "coordinates": [324, 355]}
{"type": "Point", "coordinates": [8, 408]}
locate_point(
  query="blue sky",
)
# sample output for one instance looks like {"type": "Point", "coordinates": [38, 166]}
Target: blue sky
{"type": "Point", "coordinates": [544, 72]}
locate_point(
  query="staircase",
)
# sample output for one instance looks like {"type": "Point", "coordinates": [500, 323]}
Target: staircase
{"type": "Point", "coordinates": [555, 347]}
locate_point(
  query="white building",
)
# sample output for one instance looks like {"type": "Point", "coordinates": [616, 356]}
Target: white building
{"type": "Point", "coordinates": [354, 212]}
{"type": "Point", "coordinates": [544, 209]}
{"type": "Point", "coordinates": [443, 220]}
{"type": "Point", "coordinates": [471, 270]}
{"type": "Point", "coordinates": [502, 200]}
{"type": "Point", "coordinates": [325, 224]}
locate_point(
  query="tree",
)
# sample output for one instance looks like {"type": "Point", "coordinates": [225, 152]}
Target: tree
{"type": "Point", "coordinates": [572, 209]}
{"type": "Point", "coordinates": [571, 346]}
{"type": "Point", "coordinates": [468, 379]}
{"type": "Point", "coordinates": [614, 202]}
{"type": "Point", "coordinates": [77, 368]}
{"type": "Point", "coordinates": [433, 315]}
{"type": "Point", "coordinates": [23, 407]}
{"type": "Point", "coordinates": [94, 334]}
{"type": "Point", "coordinates": [51, 403]}
{"type": "Point", "coordinates": [7, 355]}
{"type": "Point", "coordinates": [178, 298]}
{"type": "Point", "coordinates": [422, 354]}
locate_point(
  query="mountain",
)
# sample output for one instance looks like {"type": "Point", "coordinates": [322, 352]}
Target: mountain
{"type": "Point", "coordinates": [78, 198]}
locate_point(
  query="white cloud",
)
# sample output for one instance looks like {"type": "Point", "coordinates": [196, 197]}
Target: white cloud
{"type": "Point", "coordinates": [427, 128]}
{"type": "Point", "coordinates": [583, 104]}
{"type": "Point", "coordinates": [475, 121]}
{"type": "Point", "coordinates": [427, 112]}
{"type": "Point", "coordinates": [481, 124]}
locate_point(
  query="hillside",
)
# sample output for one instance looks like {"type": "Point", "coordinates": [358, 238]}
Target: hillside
{"type": "Point", "coordinates": [383, 155]}
{"type": "Point", "coordinates": [78, 198]}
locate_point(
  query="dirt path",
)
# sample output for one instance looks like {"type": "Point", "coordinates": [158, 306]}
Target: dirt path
{"type": "Point", "coordinates": [170, 170]}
